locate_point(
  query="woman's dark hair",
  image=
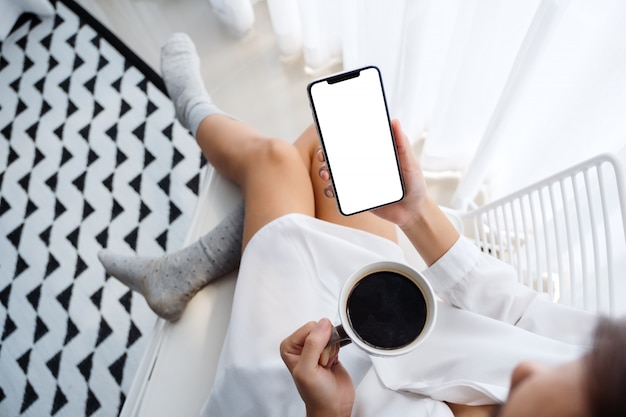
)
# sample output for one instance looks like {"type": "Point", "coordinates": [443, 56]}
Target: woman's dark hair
{"type": "Point", "coordinates": [607, 369]}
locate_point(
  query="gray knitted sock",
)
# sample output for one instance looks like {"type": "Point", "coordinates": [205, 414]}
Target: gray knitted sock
{"type": "Point", "coordinates": [180, 68]}
{"type": "Point", "coordinates": [170, 281]}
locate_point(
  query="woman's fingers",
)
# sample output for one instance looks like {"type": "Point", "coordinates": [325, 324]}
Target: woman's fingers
{"type": "Point", "coordinates": [306, 347]}
{"type": "Point", "coordinates": [291, 347]}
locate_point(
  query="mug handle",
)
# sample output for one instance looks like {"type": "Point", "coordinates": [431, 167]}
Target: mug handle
{"type": "Point", "coordinates": [338, 335]}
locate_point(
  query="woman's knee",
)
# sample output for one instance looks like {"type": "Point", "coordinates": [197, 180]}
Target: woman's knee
{"type": "Point", "coordinates": [277, 155]}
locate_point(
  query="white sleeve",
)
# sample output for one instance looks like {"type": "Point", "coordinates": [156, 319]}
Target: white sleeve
{"type": "Point", "coordinates": [487, 324]}
{"type": "Point", "coordinates": [470, 279]}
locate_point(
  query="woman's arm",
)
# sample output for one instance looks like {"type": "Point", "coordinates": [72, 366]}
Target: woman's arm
{"type": "Point", "coordinates": [458, 271]}
{"type": "Point", "coordinates": [463, 275]}
{"type": "Point", "coordinates": [430, 231]}
{"type": "Point", "coordinates": [417, 215]}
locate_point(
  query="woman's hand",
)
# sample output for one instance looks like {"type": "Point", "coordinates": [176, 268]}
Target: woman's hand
{"type": "Point", "coordinates": [419, 217]}
{"type": "Point", "coordinates": [403, 212]}
{"type": "Point", "coordinates": [400, 213]}
{"type": "Point", "coordinates": [417, 214]}
{"type": "Point", "coordinates": [323, 383]}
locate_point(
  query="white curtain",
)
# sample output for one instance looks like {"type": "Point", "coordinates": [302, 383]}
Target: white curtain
{"type": "Point", "coordinates": [504, 92]}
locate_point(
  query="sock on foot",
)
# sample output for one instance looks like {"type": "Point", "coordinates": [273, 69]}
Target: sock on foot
{"type": "Point", "coordinates": [170, 281]}
{"type": "Point", "coordinates": [180, 68]}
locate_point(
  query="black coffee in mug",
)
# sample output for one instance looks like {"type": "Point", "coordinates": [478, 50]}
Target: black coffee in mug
{"type": "Point", "coordinates": [386, 310]}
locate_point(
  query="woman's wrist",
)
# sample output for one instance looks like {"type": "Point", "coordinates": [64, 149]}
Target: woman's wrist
{"type": "Point", "coordinates": [430, 231]}
{"type": "Point", "coordinates": [321, 414]}
{"type": "Point", "coordinates": [325, 414]}
{"type": "Point", "coordinates": [419, 210]}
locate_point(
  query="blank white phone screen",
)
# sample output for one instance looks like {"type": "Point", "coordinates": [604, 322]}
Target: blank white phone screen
{"type": "Point", "coordinates": [353, 123]}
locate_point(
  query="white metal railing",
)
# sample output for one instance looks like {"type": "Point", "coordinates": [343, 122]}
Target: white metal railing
{"type": "Point", "coordinates": [565, 235]}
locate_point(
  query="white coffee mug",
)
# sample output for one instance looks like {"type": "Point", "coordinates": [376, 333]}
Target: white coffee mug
{"type": "Point", "coordinates": [386, 308]}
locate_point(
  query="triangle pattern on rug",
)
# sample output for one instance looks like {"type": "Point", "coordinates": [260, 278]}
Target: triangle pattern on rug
{"type": "Point", "coordinates": [91, 156]}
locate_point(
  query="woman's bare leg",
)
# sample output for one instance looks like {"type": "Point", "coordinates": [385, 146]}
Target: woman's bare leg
{"type": "Point", "coordinates": [271, 173]}
{"type": "Point", "coordinates": [273, 179]}
{"type": "Point", "coordinates": [326, 208]}
{"type": "Point", "coordinates": [276, 178]}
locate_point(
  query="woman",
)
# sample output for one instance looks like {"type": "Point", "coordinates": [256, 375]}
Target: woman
{"type": "Point", "coordinates": [297, 252]}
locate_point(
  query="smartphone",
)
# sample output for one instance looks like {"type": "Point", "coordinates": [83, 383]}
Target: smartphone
{"type": "Point", "coordinates": [352, 120]}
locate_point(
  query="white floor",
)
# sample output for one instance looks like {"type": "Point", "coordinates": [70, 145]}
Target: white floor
{"type": "Point", "coordinates": [245, 76]}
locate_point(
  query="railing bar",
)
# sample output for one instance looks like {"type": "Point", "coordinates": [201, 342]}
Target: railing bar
{"type": "Point", "coordinates": [568, 239]}
{"type": "Point", "coordinates": [583, 251]}
{"type": "Point", "coordinates": [517, 233]}
{"type": "Point", "coordinates": [594, 238]}
{"type": "Point", "coordinates": [492, 232]}
{"type": "Point", "coordinates": [533, 218]}
{"type": "Point", "coordinates": [557, 238]}
{"type": "Point", "coordinates": [544, 217]}
{"type": "Point", "coordinates": [500, 228]}
{"type": "Point", "coordinates": [609, 243]}
{"type": "Point", "coordinates": [507, 230]}
{"type": "Point", "coordinates": [528, 278]}
{"type": "Point", "coordinates": [484, 221]}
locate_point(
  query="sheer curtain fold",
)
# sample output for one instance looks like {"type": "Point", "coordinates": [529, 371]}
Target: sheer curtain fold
{"type": "Point", "coordinates": [504, 93]}
{"type": "Point", "coordinates": [567, 104]}
{"type": "Point", "coordinates": [310, 27]}
{"type": "Point", "coordinates": [285, 18]}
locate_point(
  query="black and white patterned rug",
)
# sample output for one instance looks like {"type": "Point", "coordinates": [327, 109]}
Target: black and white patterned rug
{"type": "Point", "coordinates": [90, 156]}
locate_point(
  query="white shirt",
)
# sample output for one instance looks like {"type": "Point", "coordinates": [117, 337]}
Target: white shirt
{"type": "Point", "coordinates": [292, 271]}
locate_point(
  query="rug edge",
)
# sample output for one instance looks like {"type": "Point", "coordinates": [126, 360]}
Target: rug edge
{"type": "Point", "coordinates": [118, 44]}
